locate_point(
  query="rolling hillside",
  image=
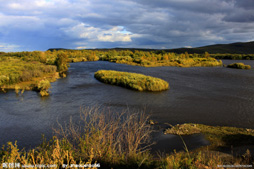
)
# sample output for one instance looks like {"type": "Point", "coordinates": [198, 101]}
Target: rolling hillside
{"type": "Point", "coordinates": [239, 48]}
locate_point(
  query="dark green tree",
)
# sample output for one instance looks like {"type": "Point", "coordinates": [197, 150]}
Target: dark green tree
{"type": "Point", "coordinates": [62, 62]}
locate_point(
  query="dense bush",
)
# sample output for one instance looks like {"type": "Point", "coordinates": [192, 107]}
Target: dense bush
{"type": "Point", "coordinates": [239, 66]}
{"type": "Point", "coordinates": [43, 87]}
{"type": "Point", "coordinates": [131, 80]}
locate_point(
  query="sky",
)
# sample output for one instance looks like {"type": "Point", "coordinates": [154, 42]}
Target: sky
{"type": "Point", "coordinates": [27, 25]}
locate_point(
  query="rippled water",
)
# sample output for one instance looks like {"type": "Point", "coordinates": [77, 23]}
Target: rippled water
{"type": "Point", "coordinates": [207, 95]}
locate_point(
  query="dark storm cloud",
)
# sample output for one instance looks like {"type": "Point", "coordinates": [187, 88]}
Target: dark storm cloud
{"type": "Point", "coordinates": [244, 16]}
{"type": "Point", "coordinates": [246, 4]}
{"type": "Point", "coordinates": [43, 24]}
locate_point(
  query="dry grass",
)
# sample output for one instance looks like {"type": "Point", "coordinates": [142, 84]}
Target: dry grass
{"type": "Point", "coordinates": [113, 137]}
{"type": "Point", "coordinates": [183, 129]}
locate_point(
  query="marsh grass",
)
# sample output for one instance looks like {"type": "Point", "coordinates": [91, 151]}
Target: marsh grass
{"type": "Point", "coordinates": [22, 75]}
{"type": "Point", "coordinates": [219, 136]}
{"type": "Point", "coordinates": [134, 81]}
{"type": "Point", "coordinates": [183, 129]}
{"type": "Point", "coordinates": [239, 66]}
{"type": "Point", "coordinates": [14, 70]}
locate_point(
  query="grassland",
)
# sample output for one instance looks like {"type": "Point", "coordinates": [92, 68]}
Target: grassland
{"type": "Point", "coordinates": [134, 81]}
{"type": "Point", "coordinates": [239, 66]}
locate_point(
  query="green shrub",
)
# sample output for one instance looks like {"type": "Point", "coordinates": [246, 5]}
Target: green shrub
{"type": "Point", "coordinates": [62, 62]}
{"type": "Point", "coordinates": [131, 80]}
{"type": "Point", "coordinates": [239, 66]}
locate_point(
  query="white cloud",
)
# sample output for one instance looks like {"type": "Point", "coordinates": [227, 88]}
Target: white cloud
{"type": "Point", "coordinates": [8, 47]}
{"type": "Point", "coordinates": [81, 47]}
{"type": "Point", "coordinates": [85, 31]}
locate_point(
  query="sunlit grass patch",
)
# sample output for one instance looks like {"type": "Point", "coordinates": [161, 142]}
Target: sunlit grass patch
{"type": "Point", "coordinates": [183, 129]}
{"type": "Point", "coordinates": [134, 81]}
{"type": "Point", "coordinates": [14, 70]}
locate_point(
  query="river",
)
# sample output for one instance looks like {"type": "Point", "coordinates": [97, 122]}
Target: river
{"type": "Point", "coordinates": [206, 95]}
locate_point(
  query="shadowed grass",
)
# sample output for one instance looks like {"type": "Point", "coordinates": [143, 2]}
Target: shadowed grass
{"type": "Point", "coordinates": [131, 80]}
{"type": "Point", "coordinates": [219, 136]}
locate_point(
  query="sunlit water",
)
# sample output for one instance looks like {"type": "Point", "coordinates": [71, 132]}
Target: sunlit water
{"type": "Point", "coordinates": [207, 95]}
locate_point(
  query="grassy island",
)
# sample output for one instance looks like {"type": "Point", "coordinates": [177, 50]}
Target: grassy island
{"type": "Point", "coordinates": [239, 66]}
{"type": "Point", "coordinates": [131, 80]}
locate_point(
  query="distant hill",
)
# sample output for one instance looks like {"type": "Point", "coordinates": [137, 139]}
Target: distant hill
{"type": "Point", "coordinates": [239, 48]}
{"type": "Point", "coordinates": [233, 48]}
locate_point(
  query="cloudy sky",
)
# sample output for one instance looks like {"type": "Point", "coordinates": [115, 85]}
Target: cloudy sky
{"type": "Point", "coordinates": [27, 25]}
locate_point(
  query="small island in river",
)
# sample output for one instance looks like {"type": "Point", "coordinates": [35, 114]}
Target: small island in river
{"type": "Point", "coordinates": [134, 81]}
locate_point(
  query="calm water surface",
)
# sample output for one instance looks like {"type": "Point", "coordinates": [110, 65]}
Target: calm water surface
{"type": "Point", "coordinates": [207, 95]}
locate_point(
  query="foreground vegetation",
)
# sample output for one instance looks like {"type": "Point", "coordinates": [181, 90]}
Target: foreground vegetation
{"type": "Point", "coordinates": [115, 140]}
{"type": "Point", "coordinates": [221, 139]}
{"type": "Point", "coordinates": [239, 66]}
{"type": "Point", "coordinates": [134, 81]}
{"type": "Point", "coordinates": [121, 140]}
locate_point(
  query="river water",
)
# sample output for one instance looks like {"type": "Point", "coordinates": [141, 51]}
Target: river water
{"type": "Point", "coordinates": [206, 95]}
